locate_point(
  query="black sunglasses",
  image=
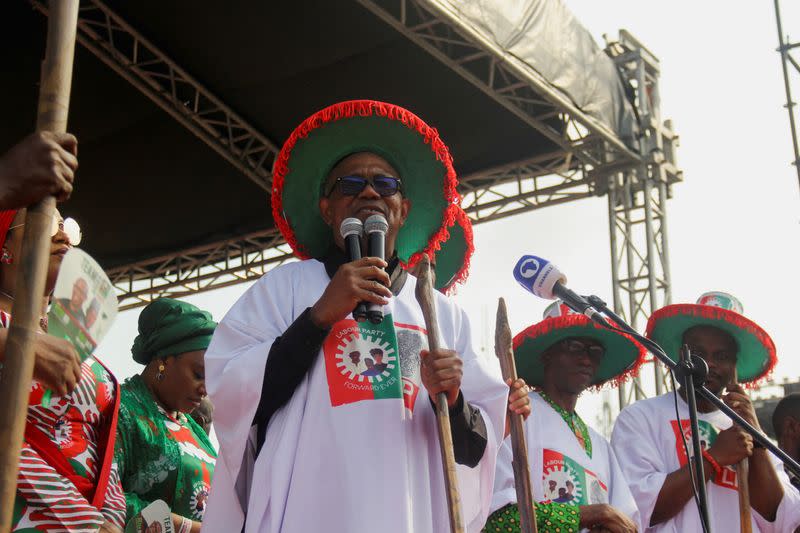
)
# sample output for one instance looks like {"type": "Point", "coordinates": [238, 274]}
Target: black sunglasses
{"type": "Point", "coordinates": [575, 347]}
{"type": "Point", "coordinates": [353, 185]}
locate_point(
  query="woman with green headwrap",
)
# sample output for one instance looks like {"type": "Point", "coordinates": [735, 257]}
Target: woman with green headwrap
{"type": "Point", "coordinates": [163, 454]}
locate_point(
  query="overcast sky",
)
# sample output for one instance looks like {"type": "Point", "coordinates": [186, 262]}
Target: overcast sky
{"type": "Point", "coordinates": [734, 223]}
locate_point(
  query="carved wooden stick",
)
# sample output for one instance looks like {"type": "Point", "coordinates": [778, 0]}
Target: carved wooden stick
{"type": "Point", "coordinates": [424, 294]}
{"type": "Point", "coordinates": [17, 372]}
{"type": "Point", "coordinates": [522, 472]}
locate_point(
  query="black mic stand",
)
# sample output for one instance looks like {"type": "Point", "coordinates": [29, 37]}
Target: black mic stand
{"type": "Point", "coordinates": [690, 370]}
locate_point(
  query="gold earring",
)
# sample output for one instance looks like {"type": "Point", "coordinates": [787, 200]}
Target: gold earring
{"type": "Point", "coordinates": [160, 375]}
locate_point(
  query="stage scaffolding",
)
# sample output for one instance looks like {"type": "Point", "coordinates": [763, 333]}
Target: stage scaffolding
{"type": "Point", "coordinates": [591, 160]}
{"type": "Point", "coordinates": [791, 70]}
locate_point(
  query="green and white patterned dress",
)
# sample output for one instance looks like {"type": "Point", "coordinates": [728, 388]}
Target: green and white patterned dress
{"type": "Point", "coordinates": [161, 457]}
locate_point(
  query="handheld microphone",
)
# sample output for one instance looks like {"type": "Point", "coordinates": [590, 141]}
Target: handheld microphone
{"type": "Point", "coordinates": [543, 279]}
{"type": "Point", "coordinates": [351, 230]}
{"type": "Point", "coordinates": [376, 227]}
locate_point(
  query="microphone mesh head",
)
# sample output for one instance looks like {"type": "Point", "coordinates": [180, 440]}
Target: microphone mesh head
{"type": "Point", "coordinates": [376, 223]}
{"type": "Point", "coordinates": [351, 226]}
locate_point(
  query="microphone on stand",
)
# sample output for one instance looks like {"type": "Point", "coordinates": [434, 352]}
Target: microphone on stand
{"type": "Point", "coordinates": [376, 227]}
{"type": "Point", "coordinates": [351, 230]}
{"type": "Point", "coordinates": [543, 279]}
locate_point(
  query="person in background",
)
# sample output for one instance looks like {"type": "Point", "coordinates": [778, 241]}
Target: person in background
{"type": "Point", "coordinates": [649, 438]}
{"type": "Point", "coordinates": [42, 164]}
{"type": "Point", "coordinates": [576, 480]}
{"type": "Point", "coordinates": [204, 415]}
{"type": "Point", "coordinates": [162, 453]}
{"type": "Point", "coordinates": [67, 479]}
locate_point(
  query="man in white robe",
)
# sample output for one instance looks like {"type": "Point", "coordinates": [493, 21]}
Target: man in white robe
{"type": "Point", "coordinates": [576, 479]}
{"type": "Point", "coordinates": [307, 441]}
{"type": "Point", "coordinates": [648, 438]}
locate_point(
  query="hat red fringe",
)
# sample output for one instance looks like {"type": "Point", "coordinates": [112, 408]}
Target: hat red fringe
{"type": "Point", "coordinates": [454, 216]}
{"type": "Point", "coordinates": [551, 324]}
{"type": "Point", "coordinates": [717, 313]}
{"type": "Point", "coordinates": [361, 108]}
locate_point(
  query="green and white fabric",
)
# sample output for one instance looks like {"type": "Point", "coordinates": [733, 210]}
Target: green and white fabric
{"type": "Point", "coordinates": [561, 469]}
{"type": "Point", "coordinates": [161, 457]}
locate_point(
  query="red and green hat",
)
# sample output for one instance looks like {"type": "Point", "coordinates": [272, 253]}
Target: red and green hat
{"type": "Point", "coordinates": [454, 254]}
{"type": "Point", "coordinates": [756, 355]}
{"type": "Point", "coordinates": [623, 355]}
{"type": "Point", "coordinates": [412, 147]}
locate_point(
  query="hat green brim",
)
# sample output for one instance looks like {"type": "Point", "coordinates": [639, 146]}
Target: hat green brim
{"type": "Point", "coordinates": [756, 351]}
{"type": "Point", "coordinates": [452, 259]}
{"type": "Point", "coordinates": [313, 156]}
{"type": "Point", "coordinates": [622, 355]}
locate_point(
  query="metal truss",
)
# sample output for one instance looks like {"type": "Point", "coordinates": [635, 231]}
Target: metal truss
{"type": "Point", "coordinates": [791, 67]}
{"type": "Point", "coordinates": [637, 209]}
{"type": "Point", "coordinates": [434, 26]}
{"type": "Point", "coordinates": [592, 159]}
{"type": "Point", "coordinates": [198, 269]}
{"type": "Point", "coordinates": [174, 90]}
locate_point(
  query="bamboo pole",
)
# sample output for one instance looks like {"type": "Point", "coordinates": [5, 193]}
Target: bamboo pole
{"type": "Point", "coordinates": [424, 294]}
{"type": "Point", "coordinates": [522, 470]}
{"type": "Point", "coordinates": [17, 373]}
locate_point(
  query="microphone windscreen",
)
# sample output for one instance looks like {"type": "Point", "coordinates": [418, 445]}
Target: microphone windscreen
{"type": "Point", "coordinates": [351, 226]}
{"type": "Point", "coordinates": [376, 223]}
{"type": "Point", "coordinates": [538, 276]}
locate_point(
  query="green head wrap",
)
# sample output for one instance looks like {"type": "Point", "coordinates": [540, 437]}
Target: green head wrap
{"type": "Point", "coordinates": [171, 327]}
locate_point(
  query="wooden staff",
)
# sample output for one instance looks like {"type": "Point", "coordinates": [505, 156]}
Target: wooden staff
{"type": "Point", "coordinates": [743, 474]}
{"type": "Point", "coordinates": [522, 471]}
{"type": "Point", "coordinates": [17, 373]}
{"type": "Point", "coordinates": [424, 294]}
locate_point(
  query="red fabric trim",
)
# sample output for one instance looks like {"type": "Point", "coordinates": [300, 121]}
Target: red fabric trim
{"type": "Point", "coordinates": [551, 324]}
{"type": "Point", "coordinates": [51, 453]}
{"type": "Point", "coordinates": [350, 109]}
{"type": "Point", "coordinates": [735, 319]}
{"type": "Point", "coordinates": [6, 218]}
{"type": "Point", "coordinates": [458, 217]}
{"type": "Point", "coordinates": [108, 451]}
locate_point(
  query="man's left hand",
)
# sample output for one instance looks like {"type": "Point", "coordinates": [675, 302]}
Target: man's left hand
{"type": "Point", "coordinates": [738, 400]}
{"type": "Point", "coordinates": [442, 371]}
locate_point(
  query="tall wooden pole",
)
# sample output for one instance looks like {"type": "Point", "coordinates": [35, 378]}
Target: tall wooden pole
{"type": "Point", "coordinates": [424, 294]}
{"type": "Point", "coordinates": [522, 471]}
{"type": "Point", "coordinates": [17, 373]}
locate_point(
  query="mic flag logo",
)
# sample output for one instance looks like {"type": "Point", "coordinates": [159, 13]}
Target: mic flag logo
{"type": "Point", "coordinates": [538, 276]}
{"type": "Point", "coordinates": [528, 267]}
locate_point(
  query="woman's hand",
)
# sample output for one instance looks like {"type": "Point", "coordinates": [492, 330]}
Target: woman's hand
{"type": "Point", "coordinates": [108, 527]}
{"type": "Point", "coordinates": [56, 364]}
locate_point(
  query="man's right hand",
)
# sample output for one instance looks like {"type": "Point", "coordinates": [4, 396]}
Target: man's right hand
{"type": "Point", "coordinates": [42, 164]}
{"type": "Point", "coordinates": [57, 365]}
{"type": "Point", "coordinates": [364, 280]}
{"type": "Point", "coordinates": [603, 517]}
{"type": "Point", "coordinates": [731, 446]}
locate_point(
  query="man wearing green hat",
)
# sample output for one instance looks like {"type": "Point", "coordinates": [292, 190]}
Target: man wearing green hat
{"type": "Point", "coordinates": [649, 439]}
{"type": "Point", "coordinates": [576, 480]}
{"type": "Point", "coordinates": [309, 439]}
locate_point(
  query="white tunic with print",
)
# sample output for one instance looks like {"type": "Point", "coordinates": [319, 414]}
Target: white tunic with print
{"type": "Point", "coordinates": [355, 449]}
{"type": "Point", "coordinates": [561, 470]}
{"type": "Point", "coordinates": [647, 441]}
